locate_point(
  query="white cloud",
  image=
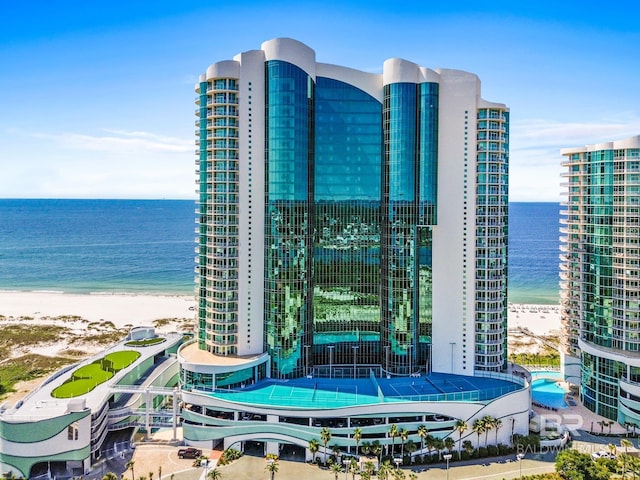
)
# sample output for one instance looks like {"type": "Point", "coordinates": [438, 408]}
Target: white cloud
{"type": "Point", "coordinates": [535, 159]}
{"type": "Point", "coordinates": [111, 163]}
{"type": "Point", "coordinates": [118, 141]}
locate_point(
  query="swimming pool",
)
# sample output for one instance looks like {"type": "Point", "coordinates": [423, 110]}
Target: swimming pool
{"type": "Point", "coordinates": [547, 392]}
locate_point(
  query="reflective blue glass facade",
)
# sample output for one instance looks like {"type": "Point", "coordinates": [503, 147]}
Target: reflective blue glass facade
{"type": "Point", "coordinates": [348, 148]}
{"type": "Point", "coordinates": [288, 215]}
{"type": "Point", "coordinates": [319, 239]}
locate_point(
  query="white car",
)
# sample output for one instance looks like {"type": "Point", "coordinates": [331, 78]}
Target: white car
{"type": "Point", "coordinates": [602, 454]}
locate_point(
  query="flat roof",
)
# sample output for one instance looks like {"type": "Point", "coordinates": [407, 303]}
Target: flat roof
{"type": "Point", "coordinates": [344, 392]}
{"type": "Point", "coordinates": [40, 403]}
{"type": "Point", "coordinates": [193, 354]}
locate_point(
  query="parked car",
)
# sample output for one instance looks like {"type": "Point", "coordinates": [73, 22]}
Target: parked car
{"type": "Point", "coordinates": [189, 453]}
{"type": "Point", "coordinates": [602, 454]}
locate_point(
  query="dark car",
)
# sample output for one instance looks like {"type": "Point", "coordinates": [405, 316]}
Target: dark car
{"type": "Point", "coordinates": [189, 453]}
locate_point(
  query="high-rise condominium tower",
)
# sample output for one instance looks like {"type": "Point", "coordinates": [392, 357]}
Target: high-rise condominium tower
{"type": "Point", "coordinates": [600, 274]}
{"type": "Point", "coordinates": [352, 237]}
{"type": "Point", "coordinates": [348, 217]}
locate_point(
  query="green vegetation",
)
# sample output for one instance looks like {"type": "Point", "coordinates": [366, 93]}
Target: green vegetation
{"type": "Point", "coordinates": [536, 359]}
{"type": "Point", "coordinates": [228, 456]}
{"type": "Point", "coordinates": [23, 335]}
{"type": "Point", "coordinates": [145, 342]}
{"type": "Point", "coordinates": [88, 377]}
{"type": "Point", "coordinates": [15, 337]}
{"type": "Point", "coordinates": [28, 367]}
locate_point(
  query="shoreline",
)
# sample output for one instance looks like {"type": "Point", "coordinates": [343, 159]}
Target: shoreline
{"type": "Point", "coordinates": [121, 309]}
{"type": "Point", "coordinates": [131, 308]}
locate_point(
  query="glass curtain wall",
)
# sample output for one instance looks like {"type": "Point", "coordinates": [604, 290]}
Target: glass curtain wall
{"type": "Point", "coordinates": [427, 215]}
{"type": "Point", "coordinates": [288, 216]}
{"type": "Point", "coordinates": [348, 149]}
{"type": "Point", "coordinates": [399, 270]}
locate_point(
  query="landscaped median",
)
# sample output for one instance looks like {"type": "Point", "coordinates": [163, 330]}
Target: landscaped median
{"type": "Point", "coordinates": [88, 377]}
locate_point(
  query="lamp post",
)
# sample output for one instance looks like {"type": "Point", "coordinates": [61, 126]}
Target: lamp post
{"type": "Point", "coordinates": [520, 456]}
{"type": "Point", "coordinates": [330, 347]}
{"type": "Point", "coordinates": [355, 349]}
{"type": "Point", "coordinates": [306, 360]}
{"type": "Point", "coordinates": [453, 344]}
{"type": "Point", "coordinates": [447, 457]}
{"type": "Point", "coordinates": [386, 358]}
{"type": "Point", "coordinates": [277, 349]}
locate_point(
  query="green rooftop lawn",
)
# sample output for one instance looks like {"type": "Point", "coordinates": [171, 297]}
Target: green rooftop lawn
{"type": "Point", "coordinates": [88, 377]}
{"type": "Point", "coordinates": [145, 342]}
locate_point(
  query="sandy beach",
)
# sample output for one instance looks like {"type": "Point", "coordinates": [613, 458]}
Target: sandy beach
{"type": "Point", "coordinates": [124, 310]}
{"type": "Point", "coordinates": [120, 309]}
{"type": "Point", "coordinates": [539, 319]}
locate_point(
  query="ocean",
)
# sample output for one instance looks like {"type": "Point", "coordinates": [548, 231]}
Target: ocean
{"type": "Point", "coordinates": [147, 246]}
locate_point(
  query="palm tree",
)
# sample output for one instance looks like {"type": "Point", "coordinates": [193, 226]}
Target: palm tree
{"type": "Point", "coordinates": [399, 474]}
{"type": "Point", "coordinates": [461, 427]}
{"type": "Point", "coordinates": [449, 443]}
{"type": "Point", "coordinates": [497, 424]}
{"type": "Point", "coordinates": [423, 431]}
{"type": "Point", "coordinates": [335, 450]}
{"type": "Point", "coordinates": [314, 446]}
{"type": "Point", "coordinates": [376, 449]}
{"type": "Point", "coordinates": [413, 476]}
{"type": "Point", "coordinates": [369, 468]}
{"type": "Point", "coordinates": [488, 425]}
{"type": "Point", "coordinates": [384, 470]}
{"type": "Point", "coordinates": [110, 476]}
{"type": "Point", "coordinates": [353, 468]}
{"type": "Point", "coordinates": [272, 468]}
{"type": "Point", "coordinates": [468, 446]}
{"type": "Point", "coordinates": [325, 436]}
{"type": "Point", "coordinates": [624, 443]}
{"type": "Point", "coordinates": [336, 469]}
{"type": "Point", "coordinates": [393, 433]}
{"type": "Point", "coordinates": [404, 435]}
{"type": "Point", "coordinates": [479, 428]}
{"type": "Point", "coordinates": [439, 446]}
{"type": "Point", "coordinates": [366, 448]}
{"type": "Point", "coordinates": [130, 465]}
{"type": "Point", "coordinates": [214, 474]}
{"type": "Point", "coordinates": [431, 442]}
{"type": "Point", "coordinates": [410, 447]}
{"type": "Point", "coordinates": [357, 436]}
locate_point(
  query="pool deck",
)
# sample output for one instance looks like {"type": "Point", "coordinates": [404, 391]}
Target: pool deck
{"type": "Point", "coordinates": [578, 417]}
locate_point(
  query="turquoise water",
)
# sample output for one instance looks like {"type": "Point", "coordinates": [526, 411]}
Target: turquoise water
{"type": "Point", "coordinates": [139, 246]}
{"type": "Point", "coordinates": [546, 391]}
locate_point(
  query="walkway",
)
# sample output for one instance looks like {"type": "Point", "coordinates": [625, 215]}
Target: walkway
{"type": "Point", "coordinates": [251, 468]}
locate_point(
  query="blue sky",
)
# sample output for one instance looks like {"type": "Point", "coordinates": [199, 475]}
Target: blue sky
{"type": "Point", "coordinates": [97, 98]}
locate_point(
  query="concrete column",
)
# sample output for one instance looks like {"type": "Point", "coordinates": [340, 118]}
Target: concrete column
{"type": "Point", "coordinates": [273, 448]}
{"type": "Point", "coordinates": [174, 420]}
{"type": "Point", "coordinates": [147, 410]}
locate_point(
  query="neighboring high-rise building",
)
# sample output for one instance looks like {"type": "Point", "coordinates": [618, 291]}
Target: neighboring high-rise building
{"type": "Point", "coordinates": [349, 223]}
{"type": "Point", "coordinates": [600, 275]}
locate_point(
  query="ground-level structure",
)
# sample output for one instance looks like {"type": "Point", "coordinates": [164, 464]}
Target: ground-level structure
{"type": "Point", "coordinates": [61, 426]}
{"type": "Point", "coordinates": [278, 412]}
